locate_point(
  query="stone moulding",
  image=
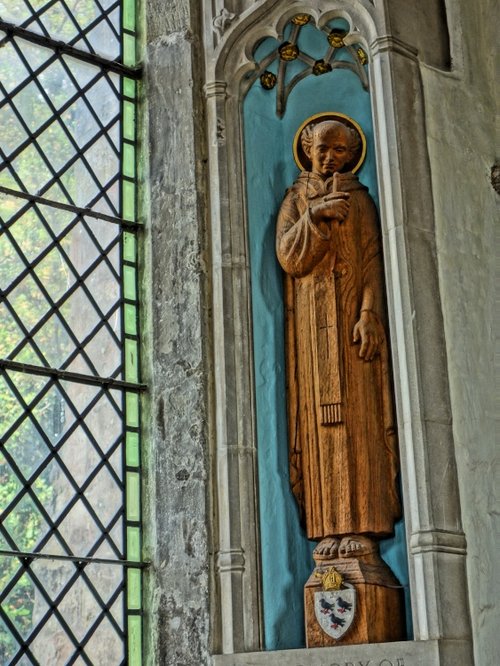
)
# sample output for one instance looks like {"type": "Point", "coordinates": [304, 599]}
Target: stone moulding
{"type": "Point", "coordinates": [408, 653]}
{"type": "Point", "coordinates": [436, 544]}
{"type": "Point", "coordinates": [311, 66]}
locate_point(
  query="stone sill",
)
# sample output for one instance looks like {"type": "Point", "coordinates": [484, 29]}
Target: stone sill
{"type": "Point", "coordinates": [407, 653]}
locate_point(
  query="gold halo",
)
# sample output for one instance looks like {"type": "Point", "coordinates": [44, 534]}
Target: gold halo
{"type": "Point", "coordinates": [301, 159]}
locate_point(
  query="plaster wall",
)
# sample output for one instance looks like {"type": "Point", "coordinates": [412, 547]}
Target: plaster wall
{"type": "Point", "coordinates": [460, 110]}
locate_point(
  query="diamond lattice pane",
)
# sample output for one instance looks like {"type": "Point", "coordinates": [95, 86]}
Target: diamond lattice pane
{"type": "Point", "coordinates": [105, 645]}
{"type": "Point", "coordinates": [18, 605]}
{"type": "Point", "coordinates": [61, 472]}
{"type": "Point", "coordinates": [10, 485]}
{"type": "Point", "coordinates": [62, 118]}
{"type": "Point", "coordinates": [52, 645]}
{"type": "Point", "coordinates": [67, 158]}
{"type": "Point", "coordinates": [57, 608]}
{"type": "Point", "coordinates": [8, 644]}
{"type": "Point", "coordinates": [61, 281]}
{"type": "Point", "coordinates": [27, 447]}
{"type": "Point", "coordinates": [92, 25]}
{"type": "Point", "coordinates": [53, 576]}
{"type": "Point", "coordinates": [25, 524]}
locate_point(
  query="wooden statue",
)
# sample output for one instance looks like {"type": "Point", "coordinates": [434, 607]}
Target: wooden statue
{"type": "Point", "coordinates": [343, 450]}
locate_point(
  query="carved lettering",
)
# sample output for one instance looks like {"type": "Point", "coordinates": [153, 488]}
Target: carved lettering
{"type": "Point", "coordinates": [385, 662]}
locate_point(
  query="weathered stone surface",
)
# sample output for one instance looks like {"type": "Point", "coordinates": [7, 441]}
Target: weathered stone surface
{"type": "Point", "coordinates": [176, 511]}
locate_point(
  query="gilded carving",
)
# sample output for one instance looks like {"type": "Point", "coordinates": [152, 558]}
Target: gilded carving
{"type": "Point", "coordinates": [336, 38]}
{"type": "Point", "coordinates": [288, 51]}
{"type": "Point", "coordinates": [268, 80]}
{"type": "Point", "coordinates": [321, 67]}
{"type": "Point", "coordinates": [296, 49]}
{"type": "Point", "coordinates": [301, 19]}
{"type": "Point", "coordinates": [331, 579]}
{"type": "Point", "coordinates": [363, 58]}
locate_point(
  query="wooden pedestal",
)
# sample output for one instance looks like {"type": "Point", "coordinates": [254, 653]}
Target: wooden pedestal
{"type": "Point", "coordinates": [379, 615]}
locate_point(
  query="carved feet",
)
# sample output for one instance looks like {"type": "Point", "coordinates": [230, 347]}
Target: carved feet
{"type": "Point", "coordinates": [356, 545]}
{"type": "Point", "coordinates": [351, 545]}
{"type": "Point", "coordinates": [327, 549]}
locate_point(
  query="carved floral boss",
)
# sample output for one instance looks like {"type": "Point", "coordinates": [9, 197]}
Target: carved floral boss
{"type": "Point", "coordinates": [290, 50]}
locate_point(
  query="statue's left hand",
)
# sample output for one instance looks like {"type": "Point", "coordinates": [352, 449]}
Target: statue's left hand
{"type": "Point", "coordinates": [368, 332]}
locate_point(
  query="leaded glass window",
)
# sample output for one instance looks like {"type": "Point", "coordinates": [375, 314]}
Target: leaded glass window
{"type": "Point", "coordinates": [70, 570]}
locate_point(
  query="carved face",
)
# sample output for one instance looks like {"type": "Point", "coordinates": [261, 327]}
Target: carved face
{"type": "Point", "coordinates": [330, 151]}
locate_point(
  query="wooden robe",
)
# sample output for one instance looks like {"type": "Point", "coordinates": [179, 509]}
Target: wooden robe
{"type": "Point", "coordinates": [343, 454]}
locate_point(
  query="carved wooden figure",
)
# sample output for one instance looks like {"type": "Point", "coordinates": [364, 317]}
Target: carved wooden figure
{"type": "Point", "coordinates": [343, 449]}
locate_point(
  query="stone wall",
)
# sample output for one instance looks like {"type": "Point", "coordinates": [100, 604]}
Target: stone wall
{"type": "Point", "coordinates": [181, 529]}
{"type": "Point", "coordinates": [176, 456]}
{"type": "Point", "coordinates": [460, 115]}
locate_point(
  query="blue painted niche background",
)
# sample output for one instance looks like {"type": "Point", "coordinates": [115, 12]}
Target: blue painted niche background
{"type": "Point", "coordinates": [270, 169]}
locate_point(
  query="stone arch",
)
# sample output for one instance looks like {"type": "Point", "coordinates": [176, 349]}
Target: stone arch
{"type": "Point", "coordinates": [436, 542]}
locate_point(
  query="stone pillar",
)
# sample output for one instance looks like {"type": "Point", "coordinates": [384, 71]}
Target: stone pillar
{"type": "Point", "coordinates": [176, 456]}
{"type": "Point", "coordinates": [237, 556]}
{"type": "Point", "coordinates": [437, 545]}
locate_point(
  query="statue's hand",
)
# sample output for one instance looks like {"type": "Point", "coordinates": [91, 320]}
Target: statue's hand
{"type": "Point", "coordinates": [369, 332]}
{"type": "Point", "coordinates": [331, 207]}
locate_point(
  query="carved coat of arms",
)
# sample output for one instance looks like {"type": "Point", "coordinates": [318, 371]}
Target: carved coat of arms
{"type": "Point", "coordinates": [335, 610]}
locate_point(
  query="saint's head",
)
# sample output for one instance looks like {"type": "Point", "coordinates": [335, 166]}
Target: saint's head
{"type": "Point", "coordinates": [330, 145]}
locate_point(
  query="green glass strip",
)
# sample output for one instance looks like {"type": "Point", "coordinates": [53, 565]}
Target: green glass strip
{"type": "Point", "coordinates": [132, 449]}
{"type": "Point", "coordinates": [128, 14]}
{"type": "Point", "coordinates": [128, 50]}
{"type": "Point", "coordinates": [128, 121]}
{"type": "Point", "coordinates": [134, 625]}
{"type": "Point", "coordinates": [131, 361]}
{"type": "Point", "coordinates": [129, 253]}
{"type": "Point", "coordinates": [130, 319]}
{"type": "Point", "coordinates": [128, 167]}
{"type": "Point", "coordinates": [132, 409]}
{"type": "Point", "coordinates": [128, 200]}
{"type": "Point", "coordinates": [129, 283]}
{"type": "Point", "coordinates": [129, 246]}
{"type": "Point", "coordinates": [134, 589]}
{"type": "Point", "coordinates": [133, 544]}
{"type": "Point", "coordinates": [129, 88]}
{"type": "Point", "coordinates": [132, 483]}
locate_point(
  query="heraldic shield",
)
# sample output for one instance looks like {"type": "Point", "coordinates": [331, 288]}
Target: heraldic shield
{"type": "Point", "coordinates": [335, 610]}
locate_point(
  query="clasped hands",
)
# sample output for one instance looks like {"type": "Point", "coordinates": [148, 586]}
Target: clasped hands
{"type": "Point", "coordinates": [333, 206]}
